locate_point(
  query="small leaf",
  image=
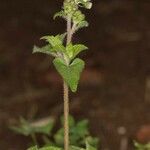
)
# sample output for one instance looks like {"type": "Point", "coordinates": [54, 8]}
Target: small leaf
{"type": "Point", "coordinates": [58, 48]}
{"type": "Point", "coordinates": [50, 148]}
{"type": "Point", "coordinates": [78, 48]}
{"type": "Point", "coordinates": [82, 128]}
{"type": "Point", "coordinates": [69, 50]}
{"type": "Point", "coordinates": [89, 147]}
{"type": "Point", "coordinates": [53, 40]}
{"type": "Point", "coordinates": [33, 148]}
{"type": "Point", "coordinates": [59, 14]}
{"type": "Point", "coordinates": [82, 24]}
{"type": "Point", "coordinates": [43, 126]}
{"type": "Point", "coordinates": [76, 148]}
{"type": "Point", "coordinates": [23, 128]}
{"type": "Point", "coordinates": [59, 137]}
{"type": "Point", "coordinates": [88, 5]}
{"type": "Point", "coordinates": [61, 36]}
{"type": "Point", "coordinates": [73, 50]}
{"type": "Point", "coordinates": [92, 141]}
{"type": "Point", "coordinates": [46, 50]}
{"type": "Point", "coordinates": [71, 73]}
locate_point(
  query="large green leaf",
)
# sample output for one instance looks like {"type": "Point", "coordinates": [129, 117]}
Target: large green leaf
{"type": "Point", "coordinates": [70, 73]}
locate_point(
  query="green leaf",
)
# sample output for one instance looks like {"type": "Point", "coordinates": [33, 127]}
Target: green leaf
{"type": "Point", "coordinates": [89, 147]}
{"type": "Point", "coordinates": [46, 50]}
{"type": "Point", "coordinates": [59, 48]}
{"type": "Point", "coordinates": [92, 141]}
{"type": "Point", "coordinates": [59, 137]}
{"type": "Point", "coordinates": [76, 148]}
{"type": "Point", "coordinates": [70, 73]}
{"type": "Point", "coordinates": [59, 14]}
{"type": "Point", "coordinates": [78, 48]}
{"type": "Point", "coordinates": [61, 36]}
{"type": "Point", "coordinates": [139, 146]}
{"type": "Point", "coordinates": [88, 5]}
{"type": "Point", "coordinates": [73, 50]}
{"type": "Point", "coordinates": [23, 128]}
{"type": "Point", "coordinates": [82, 128]}
{"type": "Point", "coordinates": [69, 50]}
{"type": "Point", "coordinates": [53, 40]}
{"type": "Point", "coordinates": [82, 24]}
{"type": "Point", "coordinates": [33, 148]}
{"type": "Point", "coordinates": [43, 126]}
{"type": "Point", "coordinates": [45, 148]}
{"type": "Point", "coordinates": [50, 148]}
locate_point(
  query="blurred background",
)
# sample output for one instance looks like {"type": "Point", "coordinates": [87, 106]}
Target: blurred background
{"type": "Point", "coordinates": [114, 90]}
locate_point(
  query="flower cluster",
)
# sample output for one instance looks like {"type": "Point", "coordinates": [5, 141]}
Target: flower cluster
{"type": "Point", "coordinates": [71, 9]}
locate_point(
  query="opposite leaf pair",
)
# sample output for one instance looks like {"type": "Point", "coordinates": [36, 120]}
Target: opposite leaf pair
{"type": "Point", "coordinates": [65, 63]}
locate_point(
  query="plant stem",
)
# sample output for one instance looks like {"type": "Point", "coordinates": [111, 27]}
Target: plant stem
{"type": "Point", "coordinates": [66, 115]}
{"type": "Point", "coordinates": [33, 136]}
{"type": "Point", "coordinates": [66, 94]}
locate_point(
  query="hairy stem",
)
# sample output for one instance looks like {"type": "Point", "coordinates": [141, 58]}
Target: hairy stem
{"type": "Point", "coordinates": [66, 94]}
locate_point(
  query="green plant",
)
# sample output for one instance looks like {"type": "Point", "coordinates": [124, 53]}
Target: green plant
{"type": "Point", "coordinates": [65, 52]}
{"type": "Point", "coordinates": [27, 128]}
{"type": "Point", "coordinates": [88, 147]}
{"type": "Point", "coordinates": [139, 146]}
{"type": "Point", "coordinates": [79, 132]}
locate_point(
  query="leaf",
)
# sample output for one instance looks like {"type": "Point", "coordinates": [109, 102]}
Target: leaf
{"type": "Point", "coordinates": [46, 50]}
{"type": "Point", "coordinates": [82, 24]}
{"type": "Point", "coordinates": [92, 141]}
{"type": "Point", "coordinates": [45, 148]}
{"type": "Point", "coordinates": [53, 40]}
{"type": "Point", "coordinates": [23, 128]}
{"type": "Point", "coordinates": [89, 147]}
{"type": "Point", "coordinates": [50, 148]}
{"type": "Point", "coordinates": [78, 48]}
{"type": "Point", "coordinates": [71, 73]}
{"type": "Point", "coordinates": [76, 148]}
{"type": "Point", "coordinates": [82, 128]}
{"type": "Point", "coordinates": [43, 126]}
{"type": "Point", "coordinates": [59, 14]}
{"type": "Point", "coordinates": [59, 48]}
{"type": "Point", "coordinates": [59, 137]}
{"type": "Point", "coordinates": [139, 146]}
{"type": "Point", "coordinates": [33, 148]}
{"type": "Point", "coordinates": [88, 5]}
{"type": "Point", "coordinates": [73, 50]}
{"type": "Point", "coordinates": [61, 36]}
